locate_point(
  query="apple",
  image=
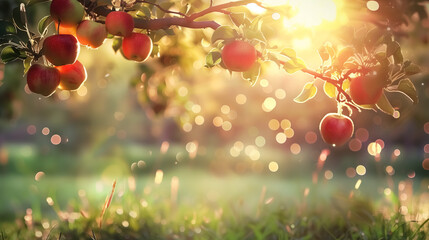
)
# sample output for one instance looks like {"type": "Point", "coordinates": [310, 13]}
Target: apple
{"type": "Point", "coordinates": [91, 33]}
{"type": "Point", "coordinates": [365, 90]}
{"type": "Point", "coordinates": [336, 129]}
{"type": "Point", "coordinates": [239, 56]}
{"type": "Point", "coordinates": [137, 47]}
{"type": "Point", "coordinates": [43, 79]}
{"type": "Point", "coordinates": [72, 76]}
{"type": "Point", "coordinates": [61, 49]}
{"type": "Point", "coordinates": [66, 30]}
{"type": "Point", "coordinates": [67, 12]}
{"type": "Point", "coordinates": [119, 23]}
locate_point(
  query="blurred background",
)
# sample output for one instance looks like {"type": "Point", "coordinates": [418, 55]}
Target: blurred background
{"type": "Point", "coordinates": [170, 120]}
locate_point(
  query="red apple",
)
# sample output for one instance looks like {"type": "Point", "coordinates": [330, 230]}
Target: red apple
{"type": "Point", "coordinates": [61, 49]}
{"type": "Point", "coordinates": [119, 24]}
{"type": "Point", "coordinates": [365, 90]}
{"type": "Point", "coordinates": [91, 33]}
{"type": "Point", "coordinates": [42, 79]}
{"type": "Point", "coordinates": [67, 12]}
{"type": "Point", "coordinates": [66, 30]}
{"type": "Point", "coordinates": [72, 76]}
{"type": "Point", "coordinates": [336, 129]}
{"type": "Point", "coordinates": [137, 47]}
{"type": "Point", "coordinates": [239, 56]}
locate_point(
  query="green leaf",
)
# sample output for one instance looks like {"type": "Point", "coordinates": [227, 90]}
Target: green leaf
{"type": "Point", "coordinates": [384, 105]}
{"type": "Point", "coordinates": [392, 47]}
{"type": "Point", "coordinates": [6, 28]}
{"type": "Point", "coordinates": [161, 33]}
{"type": "Point", "coordinates": [116, 44]}
{"type": "Point", "coordinates": [213, 58]}
{"type": "Point", "coordinates": [9, 54]}
{"type": "Point", "coordinates": [330, 90]}
{"type": "Point", "coordinates": [307, 93]}
{"type": "Point", "coordinates": [374, 37]}
{"type": "Point", "coordinates": [27, 64]}
{"type": "Point", "coordinates": [412, 69]}
{"type": "Point", "coordinates": [289, 52]}
{"type": "Point", "coordinates": [397, 56]}
{"type": "Point", "coordinates": [407, 88]}
{"type": "Point", "coordinates": [254, 35]}
{"type": "Point", "coordinates": [142, 11]}
{"type": "Point", "coordinates": [224, 33]}
{"type": "Point", "coordinates": [382, 58]}
{"type": "Point", "coordinates": [44, 23]}
{"type": "Point", "coordinates": [238, 18]}
{"type": "Point", "coordinates": [294, 65]}
{"type": "Point", "coordinates": [33, 2]}
{"type": "Point", "coordinates": [155, 51]}
{"type": "Point", "coordinates": [253, 74]}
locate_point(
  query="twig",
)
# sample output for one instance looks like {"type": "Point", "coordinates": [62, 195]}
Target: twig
{"type": "Point", "coordinates": [161, 8]}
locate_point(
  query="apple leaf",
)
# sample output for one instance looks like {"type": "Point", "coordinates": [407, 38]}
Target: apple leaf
{"type": "Point", "coordinates": [330, 89]}
{"type": "Point", "coordinates": [384, 105]}
{"type": "Point", "coordinates": [161, 33]}
{"type": "Point", "coordinates": [323, 53]}
{"type": "Point", "coordinates": [6, 28]}
{"type": "Point", "coordinates": [224, 33]}
{"type": "Point", "coordinates": [9, 54]}
{"type": "Point", "coordinates": [253, 74]}
{"type": "Point", "coordinates": [412, 69]}
{"type": "Point", "coordinates": [254, 35]}
{"type": "Point", "coordinates": [308, 92]}
{"type": "Point", "coordinates": [27, 64]}
{"type": "Point", "coordinates": [213, 58]}
{"type": "Point", "coordinates": [44, 23]}
{"type": "Point", "coordinates": [116, 44]}
{"type": "Point", "coordinates": [32, 2]}
{"type": "Point", "coordinates": [407, 88]}
{"type": "Point", "coordinates": [294, 65]}
{"type": "Point", "coordinates": [237, 18]}
{"type": "Point", "coordinates": [392, 47]}
{"type": "Point", "coordinates": [397, 56]}
{"type": "Point", "coordinates": [155, 51]}
{"type": "Point", "coordinates": [289, 52]}
{"type": "Point", "coordinates": [343, 55]}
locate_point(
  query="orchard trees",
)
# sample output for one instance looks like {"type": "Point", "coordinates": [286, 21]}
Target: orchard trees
{"type": "Point", "coordinates": [357, 68]}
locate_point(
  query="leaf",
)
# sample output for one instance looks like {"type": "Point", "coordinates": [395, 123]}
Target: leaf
{"type": "Point", "coordinates": [323, 53]}
{"type": "Point", "coordinates": [307, 93]}
{"type": "Point", "coordinates": [116, 44]}
{"type": "Point", "coordinates": [6, 28]}
{"type": "Point", "coordinates": [238, 18]}
{"type": "Point", "coordinates": [224, 33]}
{"type": "Point", "coordinates": [33, 2]}
{"type": "Point", "coordinates": [9, 54]}
{"type": "Point", "coordinates": [294, 65]}
{"type": "Point", "coordinates": [392, 47]}
{"type": "Point", "coordinates": [161, 33]}
{"type": "Point", "coordinates": [382, 58]}
{"type": "Point", "coordinates": [254, 35]}
{"type": "Point", "coordinates": [407, 88]}
{"type": "Point", "coordinates": [44, 23]}
{"type": "Point", "coordinates": [213, 58]}
{"type": "Point", "coordinates": [27, 64]}
{"type": "Point", "coordinates": [142, 11]}
{"type": "Point", "coordinates": [412, 69]}
{"type": "Point", "coordinates": [187, 8]}
{"type": "Point", "coordinates": [155, 51]}
{"type": "Point", "coordinates": [397, 56]}
{"type": "Point", "coordinates": [289, 52]}
{"type": "Point", "coordinates": [343, 55]}
{"type": "Point", "coordinates": [330, 90]}
{"type": "Point", "coordinates": [253, 74]}
{"type": "Point", "coordinates": [374, 37]}
{"type": "Point", "coordinates": [384, 105]}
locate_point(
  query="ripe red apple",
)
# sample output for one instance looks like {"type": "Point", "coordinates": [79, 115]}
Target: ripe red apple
{"type": "Point", "coordinates": [119, 23]}
{"type": "Point", "coordinates": [365, 90]}
{"type": "Point", "coordinates": [43, 79]}
{"type": "Point", "coordinates": [91, 33]}
{"type": "Point", "coordinates": [61, 49]}
{"type": "Point", "coordinates": [67, 12]}
{"type": "Point", "coordinates": [72, 76]}
{"type": "Point", "coordinates": [239, 56]}
{"type": "Point", "coordinates": [137, 47]}
{"type": "Point", "coordinates": [336, 129]}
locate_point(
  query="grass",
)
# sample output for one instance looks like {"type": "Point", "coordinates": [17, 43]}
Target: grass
{"type": "Point", "coordinates": [192, 204]}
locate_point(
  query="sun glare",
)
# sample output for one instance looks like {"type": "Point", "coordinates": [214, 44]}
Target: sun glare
{"type": "Point", "coordinates": [311, 13]}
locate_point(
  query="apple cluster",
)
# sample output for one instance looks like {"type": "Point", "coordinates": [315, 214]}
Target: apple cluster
{"type": "Point", "coordinates": [61, 50]}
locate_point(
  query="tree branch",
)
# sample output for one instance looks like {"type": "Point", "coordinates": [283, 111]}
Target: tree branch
{"type": "Point", "coordinates": [219, 8]}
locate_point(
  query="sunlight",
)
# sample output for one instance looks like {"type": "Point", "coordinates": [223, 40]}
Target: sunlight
{"type": "Point", "coordinates": [311, 13]}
